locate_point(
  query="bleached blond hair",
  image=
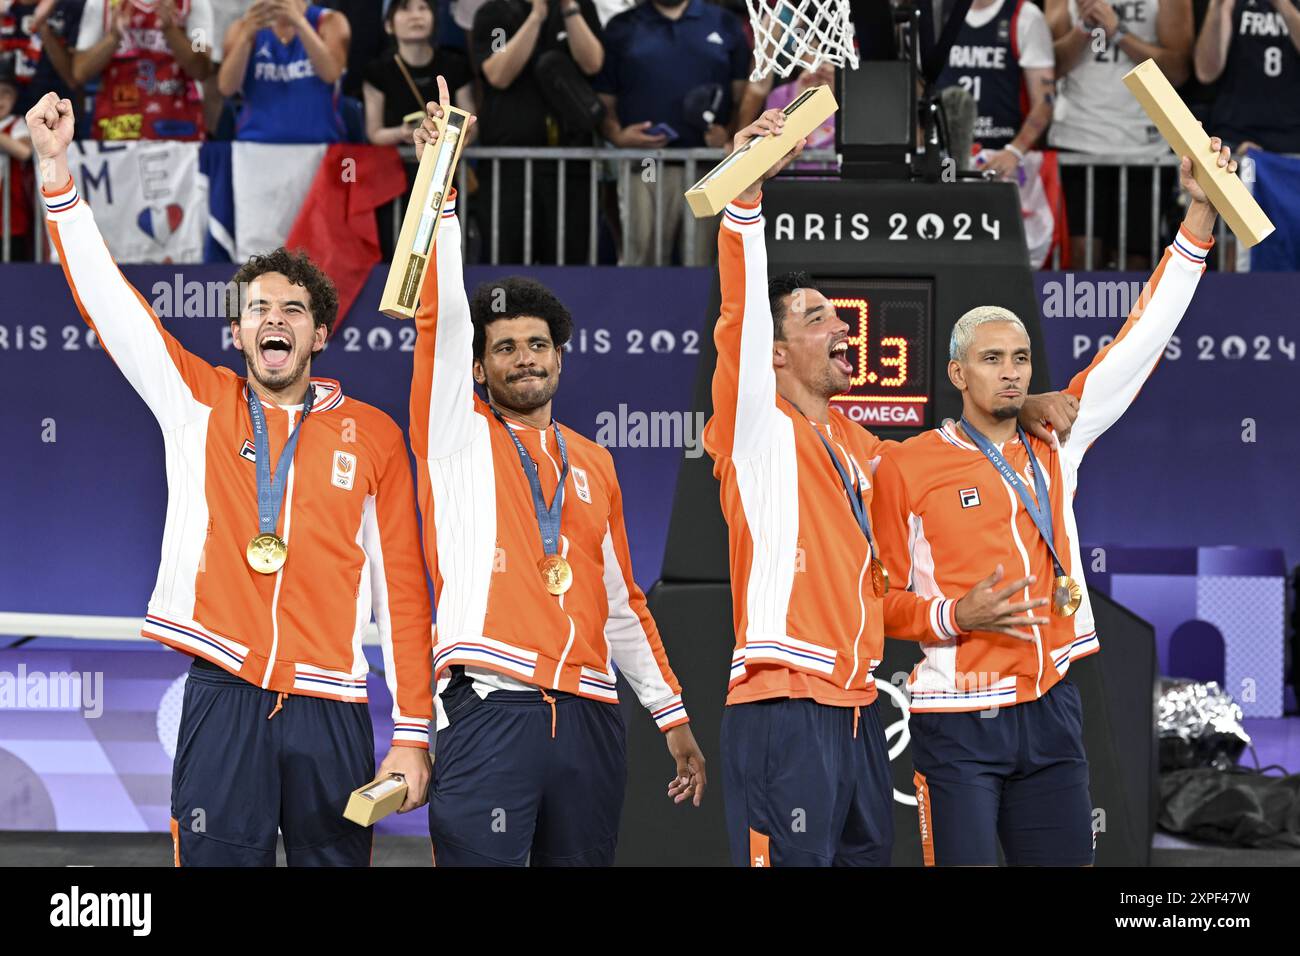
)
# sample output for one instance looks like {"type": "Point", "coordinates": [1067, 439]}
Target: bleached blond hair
{"type": "Point", "coordinates": [963, 333]}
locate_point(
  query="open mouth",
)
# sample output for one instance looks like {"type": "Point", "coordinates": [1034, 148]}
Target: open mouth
{"type": "Point", "coordinates": [276, 349]}
{"type": "Point", "coordinates": [839, 353]}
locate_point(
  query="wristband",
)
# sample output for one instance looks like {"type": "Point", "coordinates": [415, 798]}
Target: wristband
{"type": "Point", "coordinates": [1119, 34]}
{"type": "Point", "coordinates": [571, 11]}
{"type": "Point", "coordinates": [1011, 148]}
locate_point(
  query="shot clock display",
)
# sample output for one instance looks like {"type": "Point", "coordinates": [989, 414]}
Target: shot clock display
{"type": "Point", "coordinates": [891, 333]}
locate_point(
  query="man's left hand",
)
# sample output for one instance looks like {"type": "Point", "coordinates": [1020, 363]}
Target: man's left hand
{"type": "Point", "coordinates": [1057, 409]}
{"type": "Point", "coordinates": [413, 764]}
{"type": "Point", "coordinates": [690, 780]}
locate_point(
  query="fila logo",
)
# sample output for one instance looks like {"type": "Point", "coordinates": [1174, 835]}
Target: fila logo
{"type": "Point", "coordinates": [715, 37]}
{"type": "Point", "coordinates": [345, 470]}
{"type": "Point", "coordinates": [581, 485]}
{"type": "Point", "coordinates": [970, 497]}
{"type": "Point", "coordinates": [249, 451]}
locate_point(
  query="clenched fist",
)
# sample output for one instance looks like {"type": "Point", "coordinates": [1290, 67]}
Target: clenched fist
{"type": "Point", "coordinates": [51, 123]}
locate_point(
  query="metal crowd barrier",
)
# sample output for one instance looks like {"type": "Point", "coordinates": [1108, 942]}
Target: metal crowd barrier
{"type": "Point", "coordinates": [626, 163]}
{"type": "Point", "coordinates": [1091, 163]}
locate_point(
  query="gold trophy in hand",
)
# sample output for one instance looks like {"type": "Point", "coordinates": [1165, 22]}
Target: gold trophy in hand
{"type": "Point", "coordinates": [442, 135]}
{"type": "Point", "coordinates": [727, 180]}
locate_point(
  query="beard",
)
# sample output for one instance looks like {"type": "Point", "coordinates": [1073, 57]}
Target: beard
{"type": "Point", "coordinates": [275, 381]}
{"type": "Point", "coordinates": [833, 382]}
{"type": "Point", "coordinates": [1009, 410]}
{"type": "Point", "coordinates": [518, 394]}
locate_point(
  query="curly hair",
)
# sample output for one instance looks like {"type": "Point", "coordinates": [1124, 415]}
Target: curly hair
{"type": "Point", "coordinates": [514, 297]}
{"type": "Point", "coordinates": [778, 287]}
{"type": "Point", "coordinates": [297, 267]}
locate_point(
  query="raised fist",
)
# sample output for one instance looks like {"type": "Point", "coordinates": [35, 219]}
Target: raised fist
{"type": "Point", "coordinates": [51, 124]}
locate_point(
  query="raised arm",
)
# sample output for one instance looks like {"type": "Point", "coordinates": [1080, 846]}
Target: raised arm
{"type": "Point", "coordinates": [174, 383]}
{"type": "Point", "coordinates": [744, 383]}
{"type": "Point", "coordinates": [1211, 52]}
{"type": "Point", "coordinates": [442, 383]}
{"type": "Point", "coordinates": [1109, 384]}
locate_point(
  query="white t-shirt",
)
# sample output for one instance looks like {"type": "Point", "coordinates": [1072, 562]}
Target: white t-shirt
{"type": "Point", "coordinates": [198, 23]}
{"type": "Point", "coordinates": [1033, 38]}
{"type": "Point", "coordinates": [1095, 113]}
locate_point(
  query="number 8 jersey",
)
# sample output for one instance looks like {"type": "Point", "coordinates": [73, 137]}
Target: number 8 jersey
{"type": "Point", "coordinates": [1259, 93]}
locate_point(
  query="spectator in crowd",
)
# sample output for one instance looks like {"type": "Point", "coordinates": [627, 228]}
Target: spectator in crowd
{"type": "Point", "coordinates": [286, 57]}
{"type": "Point", "coordinates": [656, 56]}
{"type": "Point", "coordinates": [764, 94]}
{"type": "Point", "coordinates": [56, 23]}
{"type": "Point", "coordinates": [1096, 44]}
{"type": "Point", "coordinates": [16, 143]}
{"type": "Point", "coordinates": [1003, 73]}
{"type": "Point", "coordinates": [509, 39]}
{"type": "Point", "coordinates": [149, 58]}
{"type": "Point", "coordinates": [1252, 48]}
{"type": "Point", "coordinates": [400, 83]}
{"type": "Point", "coordinates": [20, 47]}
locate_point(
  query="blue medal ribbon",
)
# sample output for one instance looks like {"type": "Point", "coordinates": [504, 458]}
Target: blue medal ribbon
{"type": "Point", "coordinates": [270, 491]}
{"type": "Point", "coordinates": [852, 489]}
{"type": "Point", "coordinates": [1041, 509]}
{"type": "Point", "coordinates": [548, 516]}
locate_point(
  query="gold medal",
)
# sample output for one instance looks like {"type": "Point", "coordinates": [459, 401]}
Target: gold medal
{"type": "Point", "coordinates": [879, 577]}
{"type": "Point", "coordinates": [267, 553]}
{"type": "Point", "coordinates": [1066, 596]}
{"type": "Point", "coordinates": [557, 575]}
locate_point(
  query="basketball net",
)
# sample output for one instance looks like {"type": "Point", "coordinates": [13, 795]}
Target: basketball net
{"type": "Point", "coordinates": [791, 35]}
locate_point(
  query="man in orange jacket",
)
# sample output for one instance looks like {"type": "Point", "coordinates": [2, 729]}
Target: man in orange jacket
{"type": "Point", "coordinates": [997, 733]}
{"type": "Point", "coordinates": [811, 602]}
{"type": "Point", "coordinates": [290, 520]}
{"type": "Point", "coordinates": [524, 535]}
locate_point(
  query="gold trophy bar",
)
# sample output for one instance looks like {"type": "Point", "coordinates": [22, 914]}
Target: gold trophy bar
{"type": "Point", "coordinates": [375, 800]}
{"type": "Point", "coordinates": [1184, 134]}
{"type": "Point", "coordinates": [737, 172]}
{"type": "Point", "coordinates": [433, 181]}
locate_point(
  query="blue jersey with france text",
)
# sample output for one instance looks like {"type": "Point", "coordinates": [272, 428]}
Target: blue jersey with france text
{"type": "Point", "coordinates": [284, 100]}
{"type": "Point", "coordinates": [985, 61]}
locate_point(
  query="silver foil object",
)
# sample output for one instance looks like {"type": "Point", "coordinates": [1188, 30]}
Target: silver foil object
{"type": "Point", "coordinates": [1199, 725]}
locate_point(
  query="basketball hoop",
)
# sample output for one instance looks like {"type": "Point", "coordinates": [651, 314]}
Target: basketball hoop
{"type": "Point", "coordinates": [800, 34]}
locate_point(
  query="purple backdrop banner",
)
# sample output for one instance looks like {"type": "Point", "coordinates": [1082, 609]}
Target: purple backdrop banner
{"type": "Point", "coordinates": [1207, 456]}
